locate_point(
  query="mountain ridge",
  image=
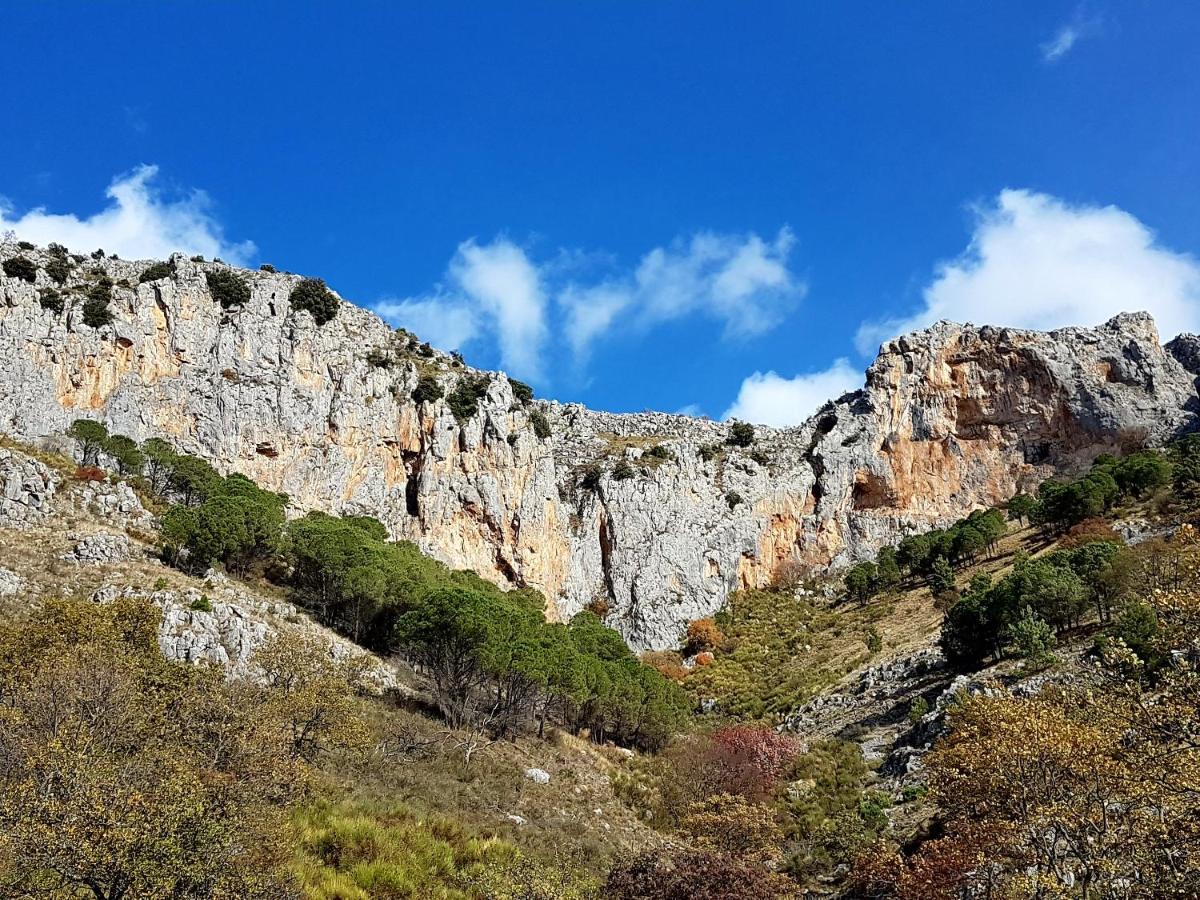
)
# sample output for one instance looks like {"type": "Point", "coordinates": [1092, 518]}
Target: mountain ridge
{"type": "Point", "coordinates": [950, 418]}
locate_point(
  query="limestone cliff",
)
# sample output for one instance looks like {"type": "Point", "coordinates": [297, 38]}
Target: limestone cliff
{"type": "Point", "coordinates": [951, 417]}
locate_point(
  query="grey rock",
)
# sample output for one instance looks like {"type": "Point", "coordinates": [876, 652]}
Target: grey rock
{"type": "Point", "coordinates": [951, 418]}
{"type": "Point", "coordinates": [98, 548]}
{"type": "Point", "coordinates": [11, 583]}
{"type": "Point", "coordinates": [26, 489]}
{"type": "Point", "coordinates": [538, 776]}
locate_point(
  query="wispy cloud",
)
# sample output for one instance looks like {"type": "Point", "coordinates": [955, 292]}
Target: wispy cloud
{"type": "Point", "coordinates": [140, 222]}
{"type": "Point", "coordinates": [1081, 25]}
{"type": "Point", "coordinates": [499, 292]}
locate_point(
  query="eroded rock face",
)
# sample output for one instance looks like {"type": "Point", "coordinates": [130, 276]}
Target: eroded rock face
{"type": "Point", "coordinates": [951, 418]}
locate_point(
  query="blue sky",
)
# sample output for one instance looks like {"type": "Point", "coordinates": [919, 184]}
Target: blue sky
{"type": "Point", "coordinates": [703, 206]}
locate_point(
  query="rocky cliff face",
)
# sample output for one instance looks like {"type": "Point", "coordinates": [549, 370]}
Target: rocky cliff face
{"type": "Point", "coordinates": [951, 417]}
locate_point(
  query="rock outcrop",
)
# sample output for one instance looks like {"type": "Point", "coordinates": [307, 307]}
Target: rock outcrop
{"type": "Point", "coordinates": [951, 418]}
{"type": "Point", "coordinates": [26, 489]}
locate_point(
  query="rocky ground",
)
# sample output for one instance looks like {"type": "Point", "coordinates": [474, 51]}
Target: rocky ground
{"type": "Point", "coordinates": [95, 539]}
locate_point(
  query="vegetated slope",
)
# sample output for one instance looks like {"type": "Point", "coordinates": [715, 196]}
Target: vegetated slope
{"type": "Point", "coordinates": [196, 710]}
{"type": "Point", "coordinates": [660, 516]}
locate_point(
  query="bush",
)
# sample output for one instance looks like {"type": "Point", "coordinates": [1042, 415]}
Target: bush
{"type": "Point", "coordinates": [522, 392]}
{"type": "Point", "coordinates": [228, 288]}
{"type": "Point", "coordinates": [52, 300]}
{"type": "Point", "coordinates": [679, 874]}
{"type": "Point", "coordinates": [22, 268]}
{"type": "Point", "coordinates": [266, 267]}
{"type": "Point", "coordinates": [659, 453]}
{"type": "Point", "coordinates": [917, 710]}
{"type": "Point", "coordinates": [622, 470]}
{"type": "Point", "coordinates": [96, 313]}
{"type": "Point", "coordinates": [1032, 637]}
{"type": "Point", "coordinates": [202, 604]}
{"type": "Point", "coordinates": [874, 640]}
{"type": "Point", "coordinates": [59, 269]}
{"type": "Point", "coordinates": [464, 399]}
{"type": "Point", "coordinates": [156, 272]}
{"type": "Point", "coordinates": [741, 434]}
{"type": "Point", "coordinates": [26, 245]}
{"type": "Point", "coordinates": [311, 294]}
{"type": "Point", "coordinates": [703, 634]}
{"type": "Point", "coordinates": [90, 473]}
{"type": "Point", "coordinates": [541, 425]}
{"type": "Point", "coordinates": [197, 258]}
{"type": "Point", "coordinates": [732, 499]}
{"type": "Point", "coordinates": [379, 359]}
{"type": "Point", "coordinates": [427, 390]}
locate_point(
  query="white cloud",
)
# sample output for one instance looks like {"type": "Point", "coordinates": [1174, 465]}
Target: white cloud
{"type": "Point", "coordinates": [741, 281]}
{"type": "Point", "coordinates": [766, 398]}
{"type": "Point", "coordinates": [492, 285]}
{"type": "Point", "coordinates": [140, 223]}
{"type": "Point", "coordinates": [1035, 261]}
{"type": "Point", "coordinates": [1082, 25]}
{"type": "Point", "coordinates": [500, 278]}
{"type": "Point", "coordinates": [590, 311]}
{"type": "Point", "coordinates": [447, 323]}
{"type": "Point", "coordinates": [1060, 45]}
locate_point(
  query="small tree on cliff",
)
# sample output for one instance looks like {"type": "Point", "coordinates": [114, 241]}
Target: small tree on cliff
{"type": "Point", "coordinates": [91, 437]}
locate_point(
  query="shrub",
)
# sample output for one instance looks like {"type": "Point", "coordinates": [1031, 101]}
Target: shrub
{"type": "Point", "coordinates": [59, 269]}
{"type": "Point", "coordinates": [541, 425]}
{"type": "Point", "coordinates": [427, 390]}
{"type": "Point", "coordinates": [22, 268]}
{"type": "Point", "coordinates": [730, 824]}
{"type": "Point", "coordinates": [703, 634]}
{"type": "Point", "coordinates": [266, 267]}
{"type": "Point", "coordinates": [26, 245]}
{"type": "Point", "coordinates": [622, 470]}
{"type": "Point", "coordinates": [733, 498]}
{"type": "Point", "coordinates": [202, 604]}
{"type": "Point", "coordinates": [90, 473]}
{"type": "Point", "coordinates": [228, 288]}
{"type": "Point", "coordinates": [874, 640]}
{"type": "Point", "coordinates": [96, 313]}
{"type": "Point", "coordinates": [522, 392]}
{"type": "Point", "coordinates": [52, 300]}
{"type": "Point", "coordinates": [679, 874]}
{"type": "Point", "coordinates": [666, 663]}
{"type": "Point", "coordinates": [312, 294]}
{"type": "Point", "coordinates": [379, 359]}
{"type": "Point", "coordinates": [659, 453]}
{"type": "Point", "coordinates": [197, 258]}
{"type": "Point", "coordinates": [917, 710]}
{"type": "Point", "coordinates": [709, 452]}
{"type": "Point", "coordinates": [156, 272]}
{"type": "Point", "coordinates": [97, 254]}
{"type": "Point", "coordinates": [599, 607]}
{"type": "Point", "coordinates": [741, 434]}
{"type": "Point", "coordinates": [464, 399]}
